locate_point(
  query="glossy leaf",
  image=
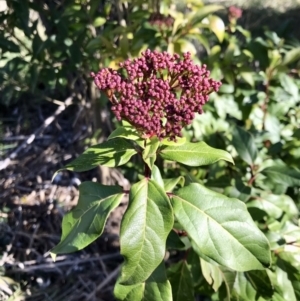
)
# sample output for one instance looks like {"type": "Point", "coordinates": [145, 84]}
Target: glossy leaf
{"type": "Point", "coordinates": [282, 284]}
{"type": "Point", "coordinates": [248, 77]}
{"type": "Point", "coordinates": [220, 228]}
{"type": "Point", "coordinates": [99, 21]}
{"type": "Point", "coordinates": [238, 190]}
{"type": "Point", "coordinates": [126, 132]}
{"type": "Point", "coordinates": [181, 281]}
{"type": "Point", "coordinates": [283, 175]}
{"type": "Point", "coordinates": [289, 85]}
{"type": "Point", "coordinates": [275, 205]}
{"type": "Point", "coordinates": [174, 241]}
{"type": "Point", "coordinates": [243, 288]}
{"type": "Point", "coordinates": [156, 176]}
{"type": "Point", "coordinates": [111, 153]}
{"type": "Point", "coordinates": [193, 261]}
{"type": "Point", "coordinates": [212, 274]}
{"type": "Point", "coordinates": [261, 283]}
{"type": "Point", "coordinates": [291, 233]}
{"type": "Point", "coordinates": [244, 144]}
{"type": "Point", "coordinates": [184, 45]}
{"type": "Point", "coordinates": [291, 266]}
{"type": "Point", "coordinates": [229, 279]}
{"type": "Point", "coordinates": [216, 275]}
{"type": "Point", "coordinates": [217, 26]}
{"type": "Point", "coordinates": [129, 292]}
{"type": "Point", "coordinates": [202, 39]}
{"type": "Point", "coordinates": [179, 141]}
{"type": "Point", "coordinates": [203, 12]}
{"type": "Point", "coordinates": [149, 153]}
{"type": "Point", "coordinates": [227, 88]}
{"type": "Point", "coordinates": [145, 227]}
{"type": "Point", "coordinates": [156, 287]}
{"type": "Point", "coordinates": [291, 56]}
{"type": "Point", "coordinates": [170, 184]}
{"type": "Point", "coordinates": [86, 222]}
{"type": "Point", "coordinates": [194, 154]}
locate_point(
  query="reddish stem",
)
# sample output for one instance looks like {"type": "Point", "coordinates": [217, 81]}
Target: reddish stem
{"type": "Point", "coordinates": [147, 171]}
{"type": "Point", "coordinates": [253, 176]}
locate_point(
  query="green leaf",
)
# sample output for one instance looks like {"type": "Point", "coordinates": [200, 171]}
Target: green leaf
{"type": "Point", "coordinates": [181, 282]}
{"type": "Point", "coordinates": [201, 38]}
{"type": "Point", "coordinates": [170, 184]}
{"type": "Point", "coordinates": [283, 175]}
{"type": "Point", "coordinates": [99, 42]}
{"type": "Point", "coordinates": [244, 144]}
{"type": "Point", "coordinates": [194, 154]}
{"type": "Point", "coordinates": [179, 141]}
{"type": "Point", "coordinates": [145, 227]}
{"type": "Point", "coordinates": [291, 56]}
{"type": "Point", "coordinates": [129, 292]}
{"type": "Point", "coordinates": [184, 45]}
{"type": "Point", "coordinates": [289, 85]}
{"type": "Point", "coordinates": [174, 242]}
{"type": "Point", "coordinates": [193, 261]}
{"type": "Point", "coordinates": [149, 153]}
{"type": "Point", "coordinates": [203, 12]}
{"type": "Point", "coordinates": [243, 288]}
{"type": "Point", "coordinates": [291, 267]}
{"type": "Point", "coordinates": [212, 274]}
{"type": "Point", "coordinates": [126, 132]}
{"type": "Point", "coordinates": [291, 233]}
{"type": "Point", "coordinates": [156, 176]}
{"type": "Point", "coordinates": [155, 288]}
{"type": "Point", "coordinates": [248, 77]}
{"type": "Point", "coordinates": [86, 222]}
{"type": "Point", "coordinates": [111, 153]}
{"type": "Point", "coordinates": [99, 21]}
{"type": "Point", "coordinates": [261, 283]}
{"type": "Point", "coordinates": [282, 283]}
{"type": "Point", "coordinates": [220, 228]}
{"type": "Point", "coordinates": [275, 205]}
{"type": "Point", "coordinates": [129, 133]}
{"type": "Point", "coordinates": [238, 190]}
{"type": "Point", "coordinates": [227, 89]}
{"type": "Point", "coordinates": [217, 26]}
{"type": "Point", "coordinates": [229, 279]}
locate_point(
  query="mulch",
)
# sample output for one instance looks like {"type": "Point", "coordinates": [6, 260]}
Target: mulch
{"type": "Point", "coordinates": [35, 143]}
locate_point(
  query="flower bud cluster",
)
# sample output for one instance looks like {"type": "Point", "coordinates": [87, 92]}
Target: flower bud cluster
{"type": "Point", "coordinates": [161, 21]}
{"type": "Point", "coordinates": [235, 13]}
{"type": "Point", "coordinates": [160, 94]}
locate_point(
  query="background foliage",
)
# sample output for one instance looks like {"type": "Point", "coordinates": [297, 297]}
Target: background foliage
{"type": "Point", "coordinates": [49, 48]}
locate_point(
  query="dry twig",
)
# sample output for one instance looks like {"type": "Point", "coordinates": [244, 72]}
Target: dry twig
{"type": "Point", "coordinates": [5, 163]}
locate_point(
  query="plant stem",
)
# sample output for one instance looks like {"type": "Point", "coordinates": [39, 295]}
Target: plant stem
{"type": "Point", "coordinates": [253, 176]}
{"type": "Point", "coordinates": [147, 171]}
{"type": "Point", "coordinates": [186, 254]}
